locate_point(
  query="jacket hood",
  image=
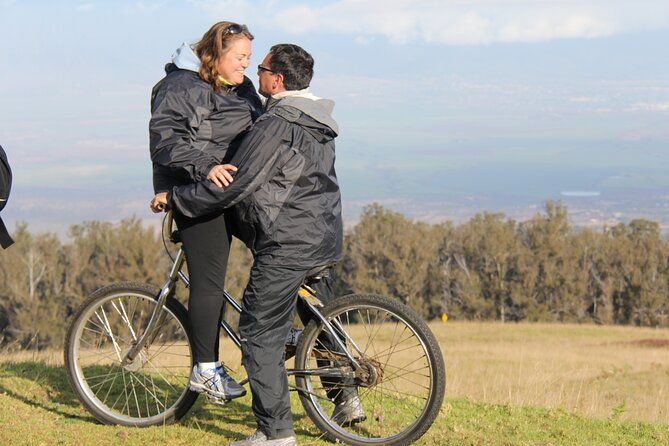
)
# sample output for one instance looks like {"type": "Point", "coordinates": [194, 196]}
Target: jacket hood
{"type": "Point", "coordinates": [312, 113]}
{"type": "Point", "coordinates": [185, 58]}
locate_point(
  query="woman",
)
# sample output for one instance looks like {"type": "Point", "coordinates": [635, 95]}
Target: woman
{"type": "Point", "coordinates": [198, 111]}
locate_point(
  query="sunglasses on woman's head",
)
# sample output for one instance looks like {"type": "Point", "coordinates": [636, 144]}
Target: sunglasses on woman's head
{"type": "Point", "coordinates": [235, 29]}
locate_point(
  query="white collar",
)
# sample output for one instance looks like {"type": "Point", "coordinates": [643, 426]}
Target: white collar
{"type": "Point", "coordinates": [296, 93]}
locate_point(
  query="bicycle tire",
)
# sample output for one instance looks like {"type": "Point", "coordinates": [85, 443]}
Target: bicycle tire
{"type": "Point", "coordinates": [153, 390]}
{"type": "Point", "coordinates": [404, 399]}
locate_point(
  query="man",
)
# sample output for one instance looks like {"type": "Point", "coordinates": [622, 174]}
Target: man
{"type": "Point", "coordinates": [287, 209]}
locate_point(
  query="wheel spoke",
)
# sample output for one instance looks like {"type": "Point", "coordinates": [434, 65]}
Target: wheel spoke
{"type": "Point", "coordinates": [105, 323]}
{"type": "Point", "coordinates": [120, 309]}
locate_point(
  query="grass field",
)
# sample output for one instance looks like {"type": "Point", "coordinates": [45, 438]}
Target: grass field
{"type": "Point", "coordinates": [513, 384]}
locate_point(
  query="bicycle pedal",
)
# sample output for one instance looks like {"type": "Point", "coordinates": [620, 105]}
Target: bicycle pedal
{"type": "Point", "coordinates": [216, 400]}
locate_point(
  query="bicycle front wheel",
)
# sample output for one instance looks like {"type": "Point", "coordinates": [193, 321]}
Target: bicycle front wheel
{"type": "Point", "coordinates": [395, 393]}
{"type": "Point", "coordinates": [152, 389]}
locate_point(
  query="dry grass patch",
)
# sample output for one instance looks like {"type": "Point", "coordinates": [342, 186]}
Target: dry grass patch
{"type": "Point", "coordinates": [597, 371]}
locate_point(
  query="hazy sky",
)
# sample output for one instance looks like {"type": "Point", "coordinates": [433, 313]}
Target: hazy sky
{"type": "Point", "coordinates": [434, 98]}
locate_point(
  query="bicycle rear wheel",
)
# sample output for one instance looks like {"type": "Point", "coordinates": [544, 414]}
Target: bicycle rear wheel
{"type": "Point", "coordinates": [153, 389]}
{"type": "Point", "coordinates": [401, 381]}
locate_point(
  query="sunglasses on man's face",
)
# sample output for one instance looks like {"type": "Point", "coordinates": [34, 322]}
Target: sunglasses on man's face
{"type": "Point", "coordinates": [235, 29]}
{"type": "Point", "coordinates": [261, 69]}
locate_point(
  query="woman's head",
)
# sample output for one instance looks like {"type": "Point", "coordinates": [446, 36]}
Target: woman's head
{"type": "Point", "coordinates": [225, 53]}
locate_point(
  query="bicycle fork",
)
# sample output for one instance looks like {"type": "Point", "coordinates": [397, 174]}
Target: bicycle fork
{"type": "Point", "coordinates": [159, 314]}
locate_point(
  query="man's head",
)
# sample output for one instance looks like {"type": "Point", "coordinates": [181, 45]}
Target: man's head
{"type": "Point", "coordinates": [286, 67]}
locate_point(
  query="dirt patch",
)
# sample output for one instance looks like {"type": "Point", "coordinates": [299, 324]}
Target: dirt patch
{"type": "Point", "coordinates": [649, 343]}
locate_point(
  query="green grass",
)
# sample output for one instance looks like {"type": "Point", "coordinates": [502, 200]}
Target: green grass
{"type": "Point", "coordinates": [37, 407]}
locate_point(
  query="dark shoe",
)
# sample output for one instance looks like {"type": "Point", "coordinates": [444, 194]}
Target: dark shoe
{"type": "Point", "coordinates": [258, 438]}
{"type": "Point", "coordinates": [349, 412]}
{"type": "Point", "coordinates": [291, 343]}
{"type": "Point", "coordinates": [215, 383]}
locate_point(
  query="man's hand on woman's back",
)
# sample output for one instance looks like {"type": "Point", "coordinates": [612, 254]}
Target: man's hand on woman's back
{"type": "Point", "coordinates": [220, 174]}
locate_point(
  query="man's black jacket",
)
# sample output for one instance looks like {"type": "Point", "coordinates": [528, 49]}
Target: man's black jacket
{"type": "Point", "coordinates": [287, 205]}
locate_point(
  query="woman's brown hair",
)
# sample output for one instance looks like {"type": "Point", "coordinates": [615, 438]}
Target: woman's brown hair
{"type": "Point", "coordinates": [216, 42]}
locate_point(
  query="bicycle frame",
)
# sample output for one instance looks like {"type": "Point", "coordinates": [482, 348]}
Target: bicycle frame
{"type": "Point", "coordinates": [306, 293]}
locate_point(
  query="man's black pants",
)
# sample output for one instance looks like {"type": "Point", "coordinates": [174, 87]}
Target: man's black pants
{"type": "Point", "coordinates": [267, 316]}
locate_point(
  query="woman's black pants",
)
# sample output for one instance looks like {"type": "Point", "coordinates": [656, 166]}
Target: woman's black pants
{"type": "Point", "coordinates": [206, 242]}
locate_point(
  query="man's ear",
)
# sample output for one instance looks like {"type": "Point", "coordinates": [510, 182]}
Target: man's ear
{"type": "Point", "coordinates": [279, 81]}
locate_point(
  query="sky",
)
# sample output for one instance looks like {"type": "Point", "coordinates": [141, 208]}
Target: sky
{"type": "Point", "coordinates": [487, 101]}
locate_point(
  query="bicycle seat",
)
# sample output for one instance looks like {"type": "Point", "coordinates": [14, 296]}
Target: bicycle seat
{"type": "Point", "coordinates": [317, 273]}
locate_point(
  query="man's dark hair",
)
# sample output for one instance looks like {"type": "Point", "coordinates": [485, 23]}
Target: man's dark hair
{"type": "Point", "coordinates": [294, 63]}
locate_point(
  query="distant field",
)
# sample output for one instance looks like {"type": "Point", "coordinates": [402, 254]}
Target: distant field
{"type": "Point", "coordinates": [513, 384]}
{"type": "Point", "coordinates": [591, 370]}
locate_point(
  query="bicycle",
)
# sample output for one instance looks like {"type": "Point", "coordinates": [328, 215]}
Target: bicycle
{"type": "Point", "coordinates": [128, 358]}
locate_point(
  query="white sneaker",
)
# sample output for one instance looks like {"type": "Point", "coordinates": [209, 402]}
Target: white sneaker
{"type": "Point", "coordinates": [216, 383]}
{"type": "Point", "coordinates": [258, 438]}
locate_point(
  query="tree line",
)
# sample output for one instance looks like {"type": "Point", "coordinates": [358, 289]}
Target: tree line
{"type": "Point", "coordinates": [489, 268]}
